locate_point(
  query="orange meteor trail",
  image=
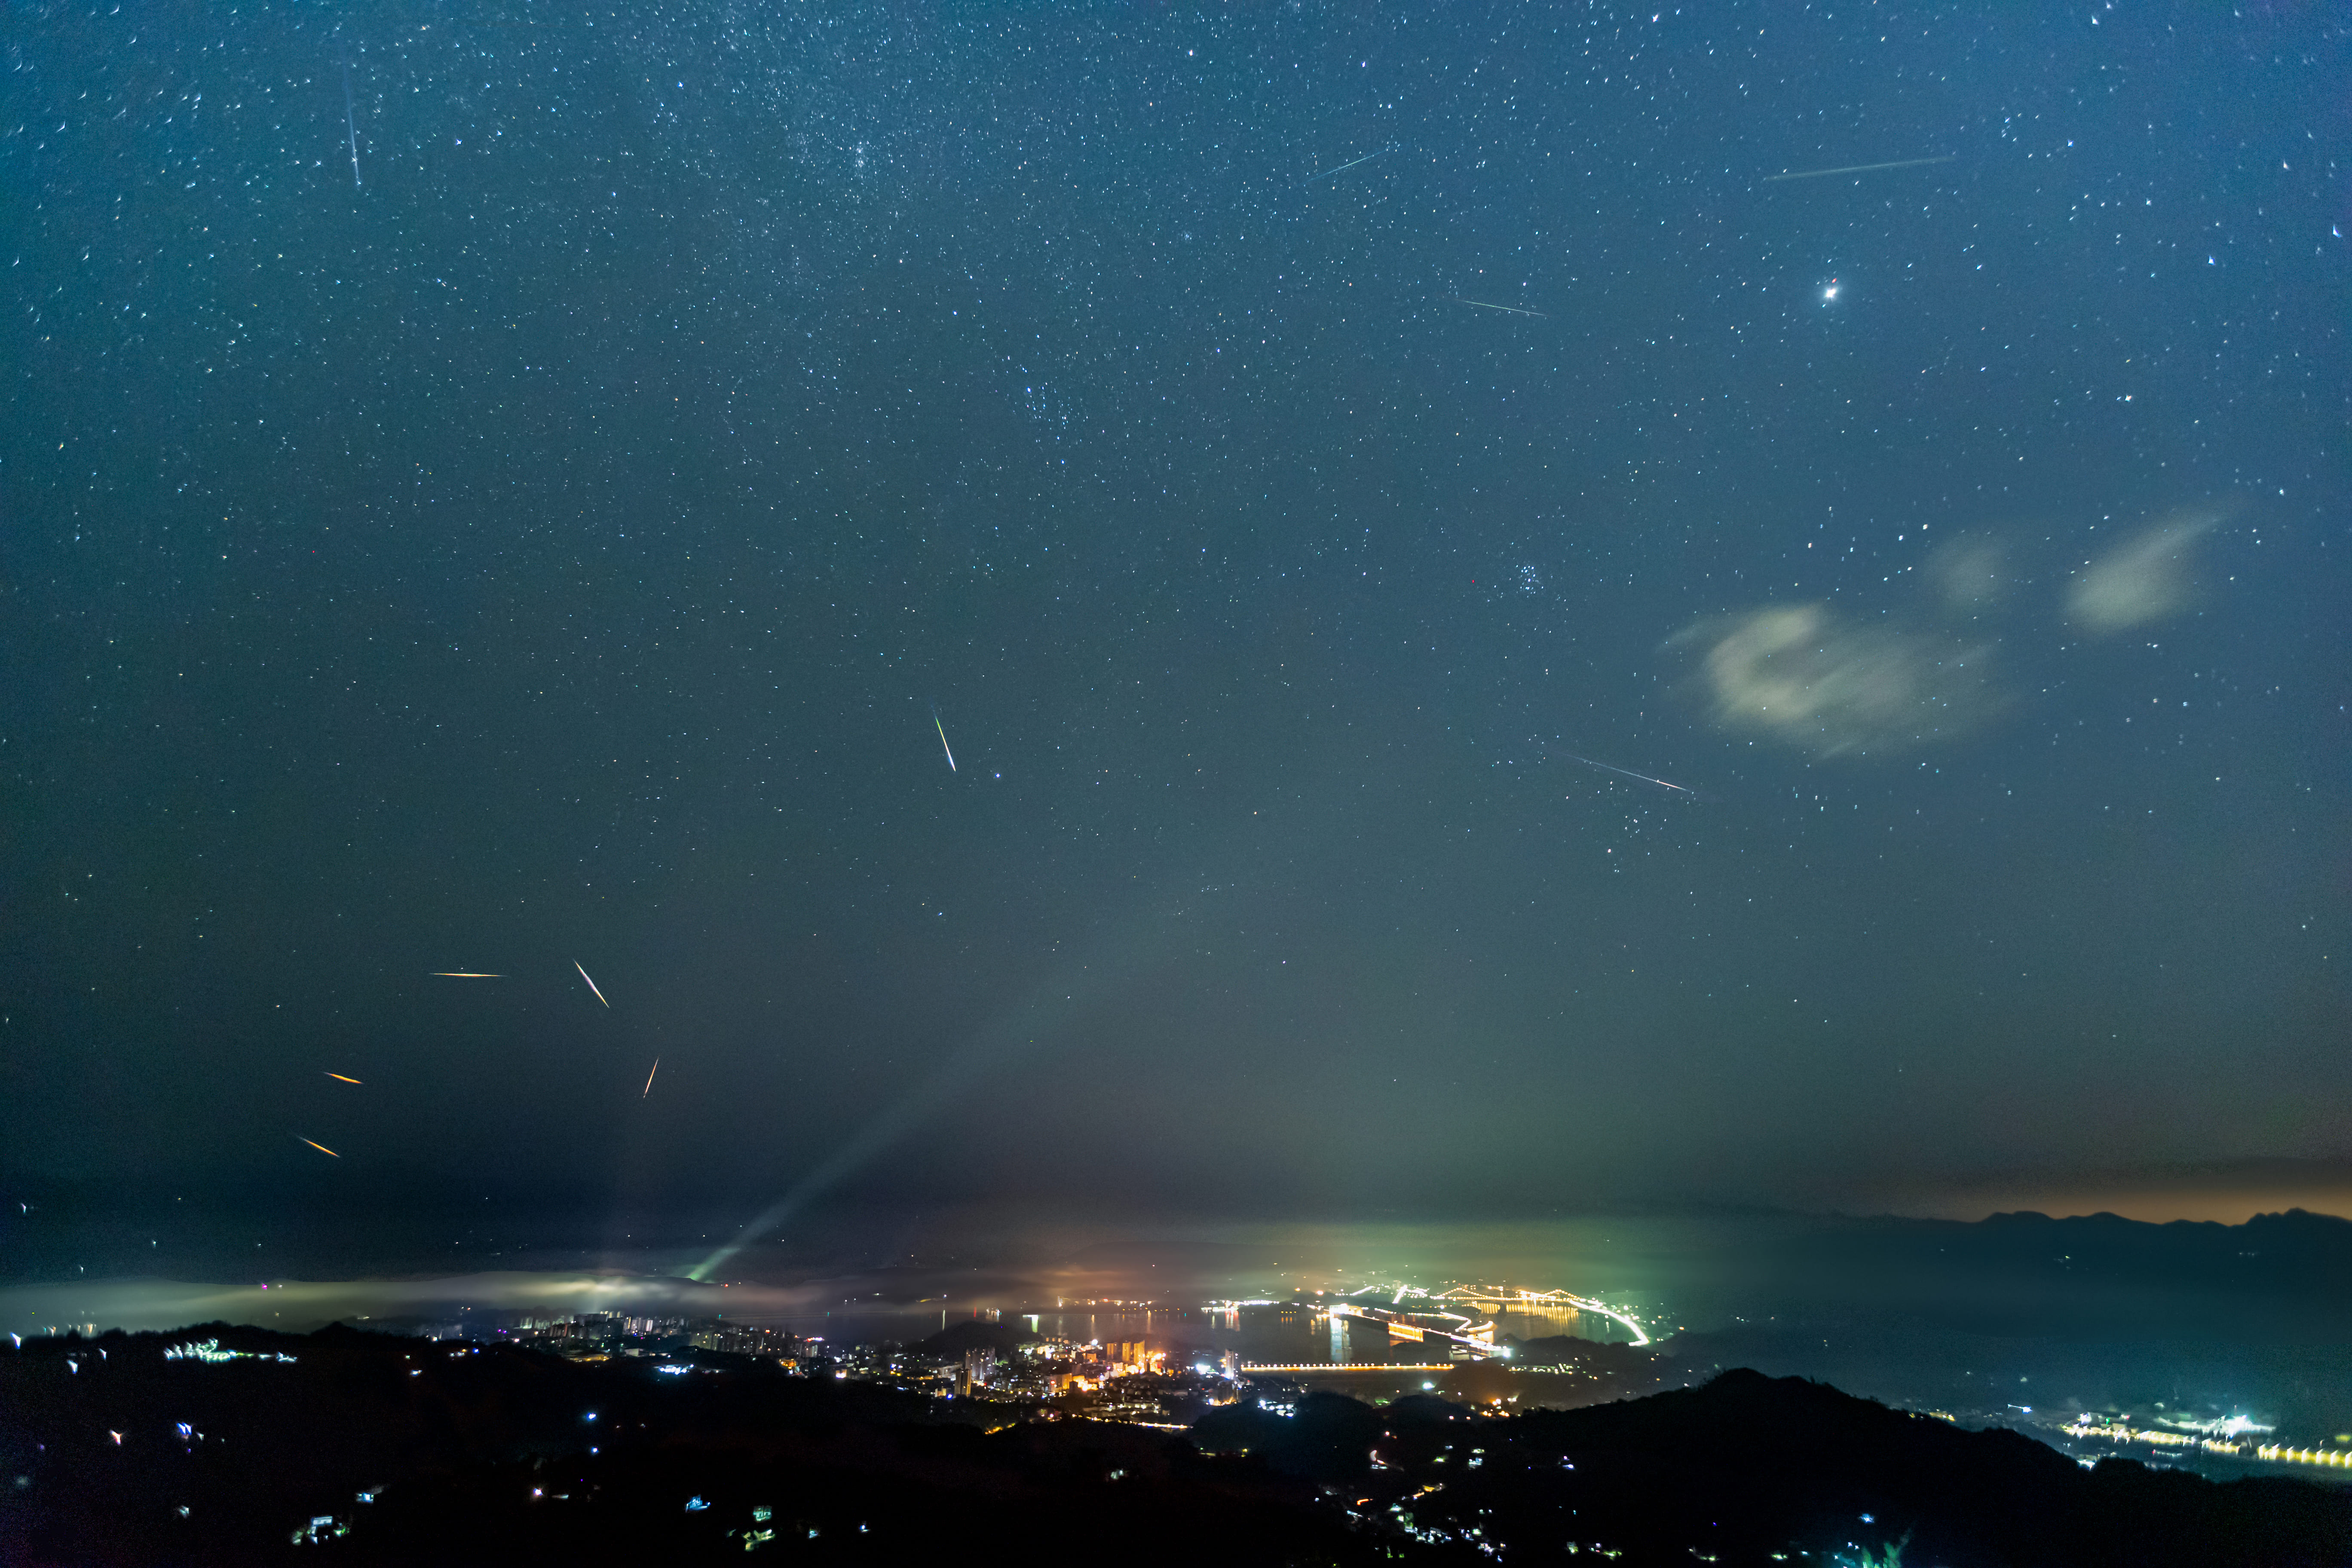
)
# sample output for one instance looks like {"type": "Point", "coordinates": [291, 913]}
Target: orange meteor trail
{"type": "Point", "coordinates": [464, 974]}
{"type": "Point", "coordinates": [649, 1078]}
{"type": "Point", "coordinates": [592, 984]}
{"type": "Point", "coordinates": [322, 1148]}
{"type": "Point", "coordinates": [337, 1077]}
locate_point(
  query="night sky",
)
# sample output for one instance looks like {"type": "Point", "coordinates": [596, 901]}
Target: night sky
{"type": "Point", "coordinates": [1497, 657]}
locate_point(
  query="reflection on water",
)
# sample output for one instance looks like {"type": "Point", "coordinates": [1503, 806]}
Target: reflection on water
{"type": "Point", "coordinates": [1281, 1335]}
{"type": "Point", "coordinates": [1097, 1283]}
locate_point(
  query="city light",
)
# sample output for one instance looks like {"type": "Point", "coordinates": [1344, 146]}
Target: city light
{"type": "Point", "coordinates": [211, 1353]}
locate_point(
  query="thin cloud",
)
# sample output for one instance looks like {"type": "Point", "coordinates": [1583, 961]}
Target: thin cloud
{"type": "Point", "coordinates": [1970, 575]}
{"type": "Point", "coordinates": [2142, 579]}
{"type": "Point", "coordinates": [1798, 675]}
{"type": "Point", "coordinates": [1803, 676]}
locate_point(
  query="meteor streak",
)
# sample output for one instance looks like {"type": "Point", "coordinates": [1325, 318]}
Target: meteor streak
{"type": "Point", "coordinates": [649, 1078]}
{"type": "Point", "coordinates": [339, 1076]}
{"type": "Point", "coordinates": [1514, 310]}
{"type": "Point", "coordinates": [1346, 166]}
{"type": "Point", "coordinates": [350, 124]}
{"type": "Point", "coordinates": [942, 729]}
{"type": "Point", "coordinates": [464, 974]}
{"type": "Point", "coordinates": [1608, 768]}
{"type": "Point", "coordinates": [1858, 168]}
{"type": "Point", "coordinates": [322, 1148]}
{"type": "Point", "coordinates": [592, 984]}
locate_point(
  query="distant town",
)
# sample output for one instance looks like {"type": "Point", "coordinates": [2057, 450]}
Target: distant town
{"type": "Point", "coordinates": [1383, 1342]}
{"type": "Point", "coordinates": [1413, 1425]}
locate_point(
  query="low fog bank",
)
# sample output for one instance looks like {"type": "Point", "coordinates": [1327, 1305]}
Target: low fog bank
{"type": "Point", "coordinates": [2281, 1277]}
{"type": "Point", "coordinates": [302, 1306]}
{"type": "Point", "coordinates": [1992, 1319]}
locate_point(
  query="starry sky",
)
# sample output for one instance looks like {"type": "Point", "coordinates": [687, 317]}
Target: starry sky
{"type": "Point", "coordinates": [1498, 653]}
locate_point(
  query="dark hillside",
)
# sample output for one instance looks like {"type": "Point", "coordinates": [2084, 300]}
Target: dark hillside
{"type": "Point", "coordinates": [378, 1449]}
{"type": "Point", "coordinates": [413, 1452]}
{"type": "Point", "coordinates": [1749, 1466]}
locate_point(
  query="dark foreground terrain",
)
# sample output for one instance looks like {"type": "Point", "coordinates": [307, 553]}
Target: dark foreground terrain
{"type": "Point", "coordinates": [361, 1447]}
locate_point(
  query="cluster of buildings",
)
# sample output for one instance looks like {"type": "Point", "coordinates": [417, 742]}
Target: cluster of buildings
{"type": "Point", "coordinates": [2119, 1429]}
{"type": "Point", "coordinates": [2231, 1438]}
{"type": "Point", "coordinates": [1129, 1380]}
{"type": "Point", "coordinates": [598, 1335]}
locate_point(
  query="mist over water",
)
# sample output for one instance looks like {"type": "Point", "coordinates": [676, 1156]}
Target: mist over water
{"type": "Point", "coordinates": [2023, 1310]}
{"type": "Point", "coordinates": [1651, 1266]}
{"type": "Point", "coordinates": [886, 1276]}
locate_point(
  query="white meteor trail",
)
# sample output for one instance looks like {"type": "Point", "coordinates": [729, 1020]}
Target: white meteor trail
{"type": "Point", "coordinates": [1608, 768]}
{"type": "Point", "coordinates": [1514, 310]}
{"type": "Point", "coordinates": [942, 729]}
{"type": "Point", "coordinates": [351, 124]}
{"type": "Point", "coordinates": [1346, 166]}
{"type": "Point", "coordinates": [592, 984]}
{"type": "Point", "coordinates": [1858, 168]}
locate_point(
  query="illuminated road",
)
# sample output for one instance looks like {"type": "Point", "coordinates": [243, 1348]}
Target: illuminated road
{"type": "Point", "coordinates": [1537, 1303]}
{"type": "Point", "coordinates": [1318, 1367]}
{"type": "Point", "coordinates": [1474, 1330]}
{"type": "Point", "coordinates": [1471, 1331]}
{"type": "Point", "coordinates": [1476, 1336]}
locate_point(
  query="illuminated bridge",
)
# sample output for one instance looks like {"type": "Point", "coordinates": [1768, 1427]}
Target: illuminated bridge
{"type": "Point", "coordinates": [1536, 1303]}
{"type": "Point", "coordinates": [1478, 1337]}
{"type": "Point", "coordinates": [1461, 1318]}
{"type": "Point", "coordinates": [1458, 1326]}
{"type": "Point", "coordinates": [1319, 1367]}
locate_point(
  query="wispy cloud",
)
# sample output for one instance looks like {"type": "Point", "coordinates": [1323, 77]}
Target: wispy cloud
{"type": "Point", "coordinates": [1832, 684]}
{"type": "Point", "coordinates": [1799, 674]}
{"type": "Point", "coordinates": [2142, 579]}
